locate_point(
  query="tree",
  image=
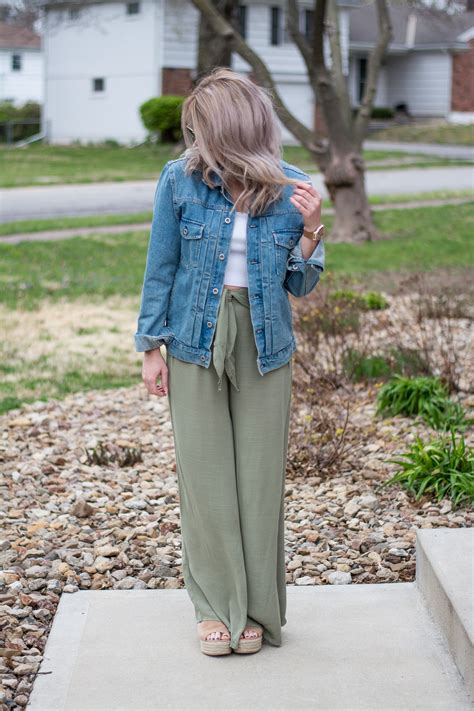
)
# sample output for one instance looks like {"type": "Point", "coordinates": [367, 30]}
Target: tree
{"type": "Point", "coordinates": [339, 157]}
{"type": "Point", "coordinates": [215, 51]}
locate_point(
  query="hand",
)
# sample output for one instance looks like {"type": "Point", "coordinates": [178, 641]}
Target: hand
{"type": "Point", "coordinates": [308, 201]}
{"type": "Point", "coordinates": [154, 366]}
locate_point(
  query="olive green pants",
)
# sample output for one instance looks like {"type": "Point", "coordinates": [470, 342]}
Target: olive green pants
{"type": "Point", "coordinates": [230, 427]}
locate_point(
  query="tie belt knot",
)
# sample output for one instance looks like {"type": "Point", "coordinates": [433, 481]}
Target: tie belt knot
{"type": "Point", "coordinates": [226, 332]}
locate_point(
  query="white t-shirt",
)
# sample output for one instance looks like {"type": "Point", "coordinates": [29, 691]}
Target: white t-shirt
{"type": "Point", "coordinates": [236, 268]}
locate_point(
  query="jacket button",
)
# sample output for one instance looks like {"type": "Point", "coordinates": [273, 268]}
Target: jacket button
{"type": "Point", "coordinates": [203, 357]}
{"type": "Point", "coordinates": [215, 290]}
{"type": "Point", "coordinates": [209, 323]}
{"type": "Point", "coordinates": [185, 230]}
{"type": "Point", "coordinates": [227, 220]}
{"type": "Point", "coordinates": [221, 255]}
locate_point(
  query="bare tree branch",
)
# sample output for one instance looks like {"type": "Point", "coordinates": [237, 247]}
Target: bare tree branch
{"type": "Point", "coordinates": [300, 40]}
{"type": "Point", "coordinates": [339, 135]}
{"type": "Point", "coordinates": [339, 80]}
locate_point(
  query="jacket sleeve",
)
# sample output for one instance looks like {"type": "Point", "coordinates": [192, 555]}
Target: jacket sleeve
{"type": "Point", "coordinates": [302, 275]}
{"type": "Point", "coordinates": [161, 264]}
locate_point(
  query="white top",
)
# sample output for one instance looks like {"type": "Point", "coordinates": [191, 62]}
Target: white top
{"type": "Point", "coordinates": [236, 268]}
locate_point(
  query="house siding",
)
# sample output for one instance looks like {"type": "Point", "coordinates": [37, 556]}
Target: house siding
{"type": "Point", "coordinates": [146, 55]}
{"type": "Point", "coordinates": [25, 84]}
{"type": "Point", "coordinates": [103, 42]}
{"type": "Point", "coordinates": [422, 81]}
{"type": "Point", "coordinates": [284, 61]}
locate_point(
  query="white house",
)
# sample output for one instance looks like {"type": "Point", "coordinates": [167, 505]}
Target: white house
{"type": "Point", "coordinates": [104, 58]}
{"type": "Point", "coordinates": [21, 64]}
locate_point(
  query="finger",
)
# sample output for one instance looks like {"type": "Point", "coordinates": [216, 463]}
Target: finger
{"type": "Point", "coordinates": [151, 386]}
{"type": "Point", "coordinates": [307, 189]}
{"type": "Point", "coordinates": [300, 200]}
{"type": "Point", "coordinates": [308, 192]}
{"type": "Point", "coordinates": [304, 199]}
{"type": "Point", "coordinates": [303, 185]}
{"type": "Point", "coordinates": [164, 380]}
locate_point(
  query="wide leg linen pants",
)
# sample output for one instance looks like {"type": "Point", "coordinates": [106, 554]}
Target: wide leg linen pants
{"type": "Point", "coordinates": [230, 427]}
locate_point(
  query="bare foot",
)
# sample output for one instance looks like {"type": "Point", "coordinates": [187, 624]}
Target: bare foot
{"type": "Point", "coordinates": [251, 633]}
{"type": "Point", "coordinates": [213, 629]}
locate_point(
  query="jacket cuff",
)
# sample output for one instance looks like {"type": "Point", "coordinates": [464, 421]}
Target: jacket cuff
{"type": "Point", "coordinates": [144, 342]}
{"type": "Point", "coordinates": [296, 261]}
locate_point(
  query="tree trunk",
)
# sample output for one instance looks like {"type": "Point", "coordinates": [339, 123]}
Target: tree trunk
{"type": "Point", "coordinates": [215, 50]}
{"type": "Point", "coordinates": [339, 158]}
{"type": "Point", "coordinates": [344, 179]}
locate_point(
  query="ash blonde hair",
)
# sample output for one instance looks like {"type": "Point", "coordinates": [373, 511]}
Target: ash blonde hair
{"type": "Point", "coordinates": [230, 127]}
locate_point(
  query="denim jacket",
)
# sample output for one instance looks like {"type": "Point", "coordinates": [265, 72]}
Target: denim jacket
{"type": "Point", "coordinates": [186, 260]}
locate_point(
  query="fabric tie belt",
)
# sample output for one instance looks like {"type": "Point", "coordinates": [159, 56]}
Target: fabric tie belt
{"type": "Point", "coordinates": [226, 332]}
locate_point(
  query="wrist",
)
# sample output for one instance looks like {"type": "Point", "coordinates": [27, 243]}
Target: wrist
{"type": "Point", "coordinates": [314, 233]}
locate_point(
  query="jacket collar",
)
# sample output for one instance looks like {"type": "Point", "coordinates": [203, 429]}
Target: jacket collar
{"type": "Point", "coordinates": [216, 179]}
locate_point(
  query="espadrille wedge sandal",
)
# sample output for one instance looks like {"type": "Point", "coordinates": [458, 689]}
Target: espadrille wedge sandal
{"type": "Point", "coordinates": [214, 647]}
{"type": "Point", "coordinates": [250, 645]}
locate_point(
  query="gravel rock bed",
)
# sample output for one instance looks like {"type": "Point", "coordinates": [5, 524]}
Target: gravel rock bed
{"type": "Point", "coordinates": [67, 525]}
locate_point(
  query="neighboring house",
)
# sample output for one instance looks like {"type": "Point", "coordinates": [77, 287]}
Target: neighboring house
{"type": "Point", "coordinates": [105, 58]}
{"type": "Point", "coordinates": [429, 65]}
{"type": "Point", "coordinates": [21, 64]}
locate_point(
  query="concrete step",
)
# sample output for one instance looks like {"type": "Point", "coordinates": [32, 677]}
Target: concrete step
{"type": "Point", "coordinates": [445, 576]}
{"type": "Point", "coordinates": [351, 647]}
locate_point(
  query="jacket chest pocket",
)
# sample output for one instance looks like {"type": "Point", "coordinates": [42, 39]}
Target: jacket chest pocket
{"type": "Point", "coordinates": [283, 242]}
{"type": "Point", "coordinates": [191, 242]}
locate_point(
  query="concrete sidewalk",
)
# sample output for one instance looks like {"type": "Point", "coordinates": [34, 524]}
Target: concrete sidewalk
{"type": "Point", "coordinates": [355, 647]}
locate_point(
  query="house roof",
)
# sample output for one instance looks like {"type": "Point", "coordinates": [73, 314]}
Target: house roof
{"type": "Point", "coordinates": [411, 28]}
{"type": "Point", "coordinates": [16, 37]}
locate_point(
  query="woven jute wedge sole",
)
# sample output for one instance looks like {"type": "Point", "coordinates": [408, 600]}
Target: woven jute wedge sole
{"type": "Point", "coordinates": [215, 647]}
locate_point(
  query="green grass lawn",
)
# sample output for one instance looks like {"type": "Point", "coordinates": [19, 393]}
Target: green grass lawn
{"type": "Point", "coordinates": [99, 266]}
{"type": "Point", "coordinates": [447, 133]}
{"type": "Point", "coordinates": [55, 165]}
{"type": "Point", "coordinates": [68, 308]}
{"type": "Point", "coordinates": [419, 240]}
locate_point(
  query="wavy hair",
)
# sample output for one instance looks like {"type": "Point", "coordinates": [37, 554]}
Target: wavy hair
{"type": "Point", "coordinates": [230, 127]}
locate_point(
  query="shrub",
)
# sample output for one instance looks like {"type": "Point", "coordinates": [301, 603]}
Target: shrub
{"type": "Point", "coordinates": [378, 112]}
{"type": "Point", "coordinates": [443, 468]}
{"type": "Point", "coordinates": [374, 301]}
{"type": "Point", "coordinates": [394, 359]}
{"type": "Point", "coordinates": [162, 115]}
{"type": "Point", "coordinates": [362, 367]}
{"type": "Point", "coordinates": [29, 111]}
{"type": "Point", "coordinates": [382, 112]}
{"type": "Point", "coordinates": [422, 396]}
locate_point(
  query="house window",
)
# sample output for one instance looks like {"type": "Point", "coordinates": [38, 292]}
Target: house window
{"type": "Point", "coordinates": [98, 84]}
{"type": "Point", "coordinates": [308, 24]}
{"type": "Point", "coordinates": [242, 20]}
{"type": "Point", "coordinates": [133, 8]}
{"type": "Point", "coordinates": [74, 13]}
{"type": "Point", "coordinates": [275, 37]}
{"type": "Point", "coordinates": [362, 65]}
{"type": "Point", "coordinates": [16, 62]}
{"type": "Point", "coordinates": [279, 33]}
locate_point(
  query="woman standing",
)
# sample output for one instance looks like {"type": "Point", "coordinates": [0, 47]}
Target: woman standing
{"type": "Point", "coordinates": [235, 230]}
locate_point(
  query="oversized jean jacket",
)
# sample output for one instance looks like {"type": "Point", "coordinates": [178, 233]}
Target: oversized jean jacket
{"type": "Point", "coordinates": [186, 260]}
